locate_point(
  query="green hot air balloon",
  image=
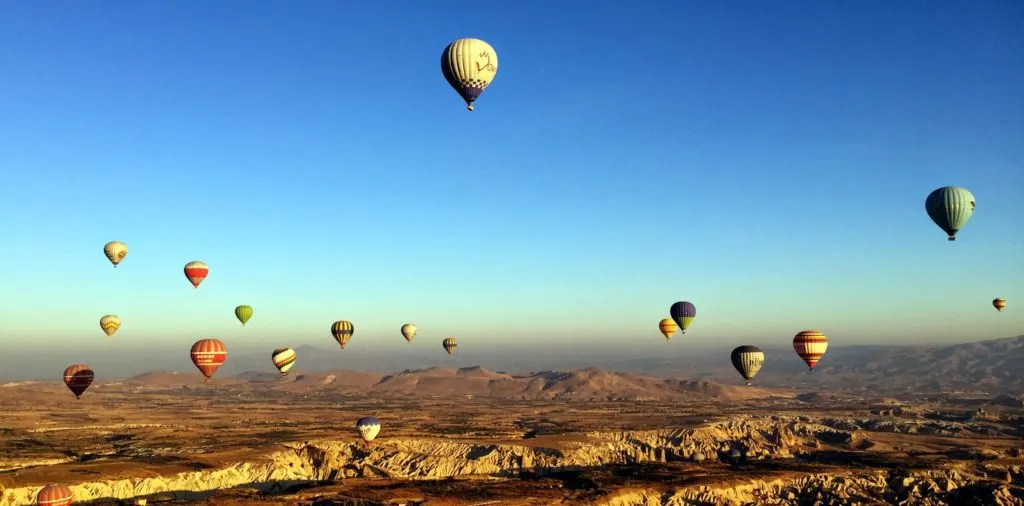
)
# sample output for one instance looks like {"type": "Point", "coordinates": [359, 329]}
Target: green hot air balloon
{"type": "Point", "coordinates": [243, 313]}
{"type": "Point", "coordinates": [950, 207]}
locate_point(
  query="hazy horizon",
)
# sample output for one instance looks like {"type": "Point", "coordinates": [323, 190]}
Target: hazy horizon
{"type": "Point", "coordinates": [774, 174]}
{"type": "Point", "coordinates": [705, 359]}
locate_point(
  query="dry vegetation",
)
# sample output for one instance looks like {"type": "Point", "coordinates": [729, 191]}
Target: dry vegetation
{"type": "Point", "coordinates": [473, 436]}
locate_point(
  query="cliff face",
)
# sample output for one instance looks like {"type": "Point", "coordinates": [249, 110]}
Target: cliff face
{"type": "Point", "coordinates": [747, 441]}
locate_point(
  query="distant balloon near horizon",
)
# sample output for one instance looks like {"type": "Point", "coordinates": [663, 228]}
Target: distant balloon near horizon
{"type": "Point", "coordinates": [115, 251]}
{"type": "Point", "coordinates": [449, 345]}
{"type": "Point", "coordinates": [810, 345]}
{"type": "Point", "coordinates": [196, 272]}
{"type": "Point", "coordinates": [999, 304]}
{"type": "Point", "coordinates": [409, 331]}
{"type": "Point", "coordinates": [55, 495]}
{"type": "Point", "coordinates": [243, 313]}
{"type": "Point", "coordinates": [950, 207]}
{"type": "Point", "coordinates": [208, 355]}
{"type": "Point", "coordinates": [469, 66]}
{"type": "Point", "coordinates": [683, 313]}
{"type": "Point", "coordinates": [77, 378]}
{"type": "Point", "coordinates": [748, 361]}
{"type": "Point", "coordinates": [668, 327]}
{"type": "Point", "coordinates": [342, 330]}
{"type": "Point", "coordinates": [110, 323]}
{"type": "Point", "coordinates": [284, 359]}
{"type": "Point", "coordinates": [368, 428]}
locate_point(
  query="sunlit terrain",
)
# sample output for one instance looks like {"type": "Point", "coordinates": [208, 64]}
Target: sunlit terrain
{"type": "Point", "coordinates": [475, 436]}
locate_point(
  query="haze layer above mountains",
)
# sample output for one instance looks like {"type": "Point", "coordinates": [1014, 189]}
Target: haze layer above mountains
{"type": "Point", "coordinates": [994, 366]}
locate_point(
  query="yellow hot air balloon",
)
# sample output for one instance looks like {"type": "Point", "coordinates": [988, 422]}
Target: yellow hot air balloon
{"type": "Point", "coordinates": [449, 345]}
{"type": "Point", "coordinates": [342, 331]}
{"type": "Point", "coordinates": [110, 323]}
{"type": "Point", "coordinates": [469, 66]}
{"type": "Point", "coordinates": [115, 251]}
{"type": "Point", "coordinates": [409, 331]}
{"type": "Point", "coordinates": [668, 327]}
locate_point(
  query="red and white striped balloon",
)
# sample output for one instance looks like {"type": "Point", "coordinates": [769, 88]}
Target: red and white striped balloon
{"type": "Point", "coordinates": [811, 346]}
{"type": "Point", "coordinates": [54, 495]}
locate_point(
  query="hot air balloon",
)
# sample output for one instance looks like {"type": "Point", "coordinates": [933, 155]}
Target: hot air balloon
{"type": "Point", "coordinates": [110, 323]}
{"type": "Point", "coordinates": [284, 359]}
{"type": "Point", "coordinates": [668, 327]}
{"type": "Point", "coordinates": [683, 313]}
{"type": "Point", "coordinates": [115, 251]}
{"type": "Point", "coordinates": [469, 66]}
{"type": "Point", "coordinates": [999, 304]}
{"type": "Point", "coordinates": [950, 207]}
{"type": "Point", "coordinates": [368, 428]}
{"type": "Point", "coordinates": [342, 331]}
{"type": "Point", "coordinates": [449, 345]}
{"type": "Point", "coordinates": [78, 377]}
{"type": "Point", "coordinates": [243, 313]}
{"type": "Point", "coordinates": [748, 361]}
{"type": "Point", "coordinates": [811, 346]}
{"type": "Point", "coordinates": [409, 331]}
{"type": "Point", "coordinates": [55, 495]}
{"type": "Point", "coordinates": [208, 355]}
{"type": "Point", "coordinates": [196, 272]}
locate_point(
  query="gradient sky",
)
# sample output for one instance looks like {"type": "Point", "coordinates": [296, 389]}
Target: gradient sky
{"type": "Point", "coordinates": [766, 160]}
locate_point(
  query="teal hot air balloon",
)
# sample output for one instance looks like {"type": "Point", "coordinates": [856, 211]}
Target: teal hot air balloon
{"type": "Point", "coordinates": [950, 207]}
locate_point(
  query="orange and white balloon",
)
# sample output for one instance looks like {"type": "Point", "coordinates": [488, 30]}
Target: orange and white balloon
{"type": "Point", "coordinates": [208, 355]}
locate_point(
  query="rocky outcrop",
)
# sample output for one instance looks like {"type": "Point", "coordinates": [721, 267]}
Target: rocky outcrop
{"type": "Point", "coordinates": [743, 440]}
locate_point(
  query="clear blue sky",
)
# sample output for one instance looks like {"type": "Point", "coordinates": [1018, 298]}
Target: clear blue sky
{"type": "Point", "coordinates": [766, 160]}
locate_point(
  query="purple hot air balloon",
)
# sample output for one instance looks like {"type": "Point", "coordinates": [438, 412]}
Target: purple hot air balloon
{"type": "Point", "coordinates": [683, 313]}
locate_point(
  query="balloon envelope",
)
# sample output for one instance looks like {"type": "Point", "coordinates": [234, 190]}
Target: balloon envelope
{"type": "Point", "coordinates": [683, 313]}
{"type": "Point", "coordinates": [368, 428]}
{"type": "Point", "coordinates": [748, 361]}
{"type": "Point", "coordinates": [950, 207]}
{"type": "Point", "coordinates": [667, 327]}
{"type": "Point", "coordinates": [115, 251]}
{"type": "Point", "coordinates": [110, 323]}
{"type": "Point", "coordinates": [78, 377]}
{"type": "Point", "coordinates": [449, 345]}
{"type": "Point", "coordinates": [810, 345]}
{"type": "Point", "coordinates": [54, 495]}
{"type": "Point", "coordinates": [243, 313]}
{"type": "Point", "coordinates": [409, 331]}
{"type": "Point", "coordinates": [469, 66]}
{"type": "Point", "coordinates": [342, 331]}
{"type": "Point", "coordinates": [208, 355]}
{"type": "Point", "coordinates": [284, 359]}
{"type": "Point", "coordinates": [196, 272]}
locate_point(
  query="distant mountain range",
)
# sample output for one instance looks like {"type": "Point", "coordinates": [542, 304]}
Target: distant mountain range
{"type": "Point", "coordinates": [992, 366]}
